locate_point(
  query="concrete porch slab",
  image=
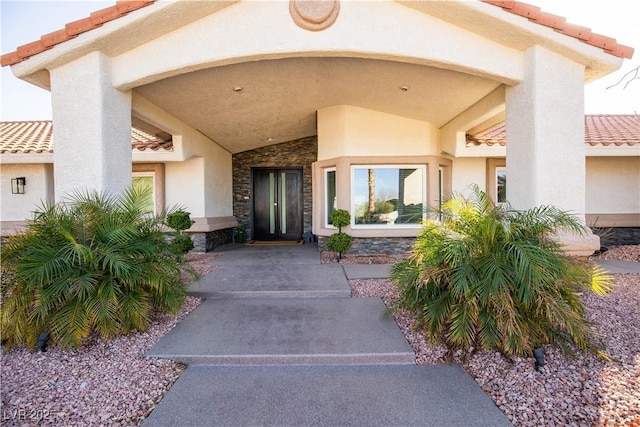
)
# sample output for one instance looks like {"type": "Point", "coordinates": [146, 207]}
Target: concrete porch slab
{"type": "Point", "coordinates": [354, 395]}
{"type": "Point", "coordinates": [272, 281]}
{"type": "Point", "coordinates": [286, 331]}
{"type": "Point", "coordinates": [620, 266]}
{"type": "Point", "coordinates": [367, 271]}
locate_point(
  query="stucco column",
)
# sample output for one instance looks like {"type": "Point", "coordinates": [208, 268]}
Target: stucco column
{"type": "Point", "coordinates": [92, 128]}
{"type": "Point", "coordinates": [545, 140]}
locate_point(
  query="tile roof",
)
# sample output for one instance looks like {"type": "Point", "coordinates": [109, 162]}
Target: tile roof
{"type": "Point", "coordinates": [560, 25]}
{"type": "Point", "coordinates": [123, 7]}
{"type": "Point", "coordinates": [37, 137]}
{"type": "Point", "coordinates": [599, 129]}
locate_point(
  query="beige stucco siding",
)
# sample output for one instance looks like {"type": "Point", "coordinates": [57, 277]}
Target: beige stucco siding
{"type": "Point", "coordinates": [612, 185]}
{"type": "Point", "coordinates": [345, 130]}
{"type": "Point", "coordinates": [38, 188]}
{"type": "Point", "coordinates": [466, 171]}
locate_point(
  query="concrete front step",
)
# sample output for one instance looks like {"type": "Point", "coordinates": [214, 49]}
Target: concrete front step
{"type": "Point", "coordinates": [353, 395]}
{"type": "Point", "coordinates": [273, 281]}
{"type": "Point", "coordinates": [286, 331]}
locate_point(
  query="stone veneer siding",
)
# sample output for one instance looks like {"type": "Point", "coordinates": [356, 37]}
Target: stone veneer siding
{"type": "Point", "coordinates": [392, 246]}
{"type": "Point", "coordinates": [206, 242]}
{"type": "Point", "coordinates": [620, 236]}
{"type": "Point", "coordinates": [300, 153]}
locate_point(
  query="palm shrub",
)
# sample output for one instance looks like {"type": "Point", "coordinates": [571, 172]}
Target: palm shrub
{"type": "Point", "coordinates": [490, 277]}
{"type": "Point", "coordinates": [339, 242]}
{"type": "Point", "coordinates": [94, 263]}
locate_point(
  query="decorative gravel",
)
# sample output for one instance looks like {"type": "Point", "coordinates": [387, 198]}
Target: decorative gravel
{"type": "Point", "coordinates": [579, 390]}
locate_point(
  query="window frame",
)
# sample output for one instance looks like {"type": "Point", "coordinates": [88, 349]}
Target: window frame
{"type": "Point", "coordinates": [155, 170]}
{"type": "Point", "coordinates": [326, 213]}
{"type": "Point", "coordinates": [493, 165]}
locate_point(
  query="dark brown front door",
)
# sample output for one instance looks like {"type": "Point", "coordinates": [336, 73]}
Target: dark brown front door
{"type": "Point", "coordinates": [277, 204]}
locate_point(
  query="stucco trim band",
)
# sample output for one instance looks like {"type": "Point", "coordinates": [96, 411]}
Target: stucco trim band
{"type": "Point", "coordinates": [203, 225]}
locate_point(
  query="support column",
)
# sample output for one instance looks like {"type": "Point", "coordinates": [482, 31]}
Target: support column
{"type": "Point", "coordinates": [92, 128]}
{"type": "Point", "coordinates": [545, 140]}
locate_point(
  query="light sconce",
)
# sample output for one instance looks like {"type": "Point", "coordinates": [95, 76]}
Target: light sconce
{"type": "Point", "coordinates": [538, 354]}
{"type": "Point", "coordinates": [17, 185]}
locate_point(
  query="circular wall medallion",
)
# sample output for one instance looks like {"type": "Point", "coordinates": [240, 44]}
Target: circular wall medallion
{"type": "Point", "coordinates": [314, 15]}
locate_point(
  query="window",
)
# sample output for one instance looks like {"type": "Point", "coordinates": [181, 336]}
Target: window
{"type": "Point", "coordinates": [388, 196]}
{"type": "Point", "coordinates": [151, 175]}
{"type": "Point", "coordinates": [501, 184]}
{"type": "Point", "coordinates": [330, 194]}
{"type": "Point", "coordinates": [145, 181]}
{"type": "Point", "coordinates": [496, 184]}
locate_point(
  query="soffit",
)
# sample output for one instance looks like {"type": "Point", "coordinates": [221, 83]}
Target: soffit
{"type": "Point", "coordinates": [278, 99]}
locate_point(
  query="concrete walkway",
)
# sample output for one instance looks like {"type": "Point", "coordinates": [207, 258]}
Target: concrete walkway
{"type": "Point", "coordinates": [278, 341]}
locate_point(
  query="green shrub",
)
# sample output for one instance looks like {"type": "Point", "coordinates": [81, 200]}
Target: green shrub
{"type": "Point", "coordinates": [240, 234]}
{"type": "Point", "coordinates": [340, 218]}
{"type": "Point", "coordinates": [95, 263]}
{"type": "Point", "coordinates": [339, 242]}
{"type": "Point", "coordinates": [179, 220]}
{"type": "Point", "coordinates": [181, 244]}
{"type": "Point", "coordinates": [490, 277]}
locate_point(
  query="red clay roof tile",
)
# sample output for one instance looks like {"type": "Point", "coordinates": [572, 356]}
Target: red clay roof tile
{"type": "Point", "coordinates": [80, 26]}
{"type": "Point", "coordinates": [559, 24]}
{"type": "Point", "coordinates": [533, 13]}
{"type": "Point", "coordinates": [55, 37]}
{"type": "Point", "coordinates": [105, 15]}
{"type": "Point", "coordinates": [31, 49]}
{"type": "Point", "coordinates": [550, 20]}
{"type": "Point", "coordinates": [526, 10]}
{"type": "Point", "coordinates": [72, 29]}
{"type": "Point", "coordinates": [599, 129]}
{"type": "Point", "coordinates": [37, 137]}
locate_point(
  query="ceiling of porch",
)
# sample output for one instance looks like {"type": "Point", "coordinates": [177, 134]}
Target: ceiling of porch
{"type": "Point", "coordinates": [254, 104]}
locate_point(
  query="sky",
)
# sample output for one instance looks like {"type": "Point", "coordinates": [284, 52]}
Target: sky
{"type": "Point", "coordinates": [25, 21]}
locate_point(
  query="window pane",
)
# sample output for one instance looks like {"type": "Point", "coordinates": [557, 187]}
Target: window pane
{"type": "Point", "coordinates": [388, 196]}
{"type": "Point", "coordinates": [145, 183]}
{"type": "Point", "coordinates": [330, 186]}
{"type": "Point", "coordinates": [501, 185]}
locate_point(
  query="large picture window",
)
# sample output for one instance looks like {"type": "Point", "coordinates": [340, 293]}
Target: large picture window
{"type": "Point", "coordinates": [388, 195]}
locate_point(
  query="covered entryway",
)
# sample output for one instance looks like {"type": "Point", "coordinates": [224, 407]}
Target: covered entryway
{"type": "Point", "coordinates": [402, 95]}
{"type": "Point", "coordinates": [277, 204]}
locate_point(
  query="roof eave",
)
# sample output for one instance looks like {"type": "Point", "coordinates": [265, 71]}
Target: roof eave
{"type": "Point", "coordinates": [519, 32]}
{"type": "Point", "coordinates": [113, 37]}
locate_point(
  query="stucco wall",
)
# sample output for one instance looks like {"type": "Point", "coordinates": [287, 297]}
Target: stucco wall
{"type": "Point", "coordinates": [38, 188]}
{"type": "Point", "coordinates": [466, 171]}
{"type": "Point", "coordinates": [345, 130]}
{"type": "Point", "coordinates": [613, 185]}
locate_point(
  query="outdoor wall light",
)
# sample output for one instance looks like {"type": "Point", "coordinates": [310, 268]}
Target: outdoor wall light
{"type": "Point", "coordinates": [42, 341]}
{"type": "Point", "coordinates": [538, 354]}
{"type": "Point", "coordinates": [17, 185]}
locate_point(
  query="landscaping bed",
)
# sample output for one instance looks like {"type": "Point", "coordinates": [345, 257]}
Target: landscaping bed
{"type": "Point", "coordinates": [111, 382]}
{"type": "Point", "coordinates": [580, 390]}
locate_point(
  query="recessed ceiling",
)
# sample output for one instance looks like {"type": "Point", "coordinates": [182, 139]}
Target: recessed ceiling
{"type": "Point", "coordinates": [253, 104]}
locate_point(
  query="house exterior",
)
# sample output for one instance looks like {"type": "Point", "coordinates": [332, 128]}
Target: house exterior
{"type": "Point", "coordinates": [280, 112]}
